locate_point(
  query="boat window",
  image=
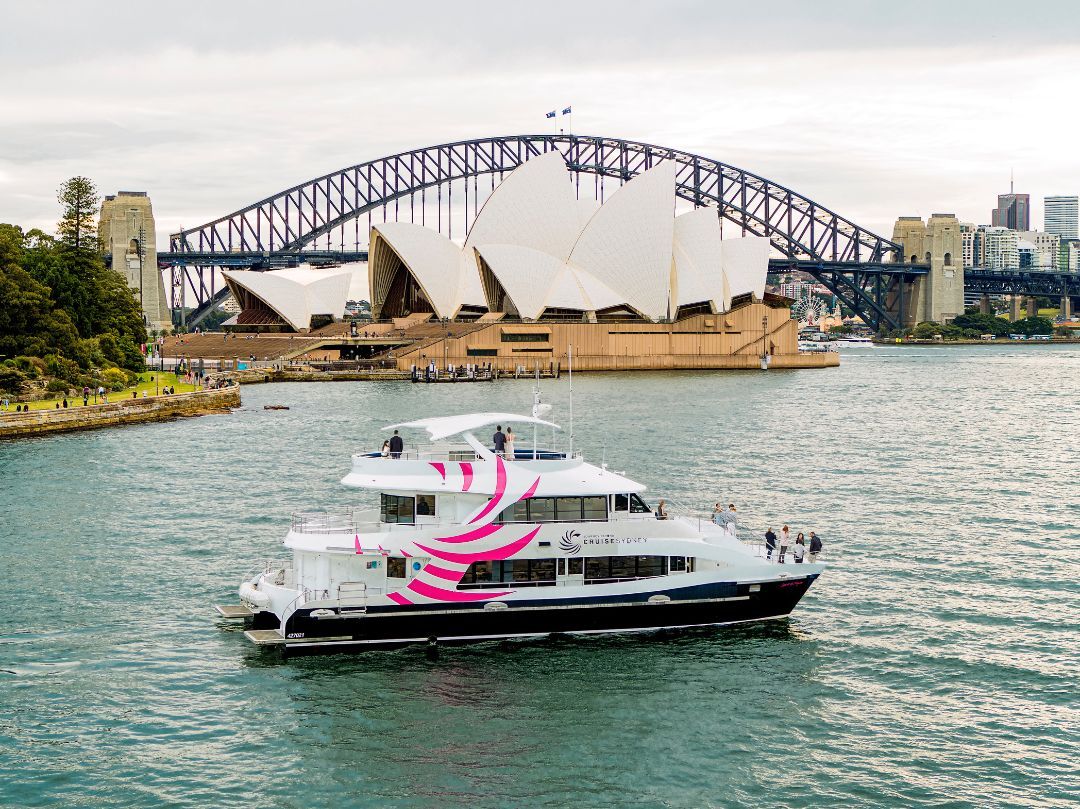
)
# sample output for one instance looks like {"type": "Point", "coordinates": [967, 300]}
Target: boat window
{"type": "Point", "coordinates": [556, 509]}
{"type": "Point", "coordinates": [568, 508]}
{"type": "Point", "coordinates": [425, 505]}
{"type": "Point", "coordinates": [650, 565]}
{"type": "Point", "coordinates": [575, 566]}
{"type": "Point", "coordinates": [395, 567]}
{"type": "Point", "coordinates": [561, 570]}
{"type": "Point", "coordinates": [678, 564]}
{"type": "Point", "coordinates": [599, 569]}
{"type": "Point", "coordinates": [637, 505]}
{"type": "Point", "coordinates": [542, 509]}
{"type": "Point", "coordinates": [622, 502]}
{"type": "Point", "coordinates": [397, 509]}
{"type": "Point", "coordinates": [519, 572]}
{"type": "Point", "coordinates": [594, 508]}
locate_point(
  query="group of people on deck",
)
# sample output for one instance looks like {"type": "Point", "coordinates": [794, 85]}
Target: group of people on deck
{"type": "Point", "coordinates": [799, 551]}
{"type": "Point", "coordinates": [504, 442]}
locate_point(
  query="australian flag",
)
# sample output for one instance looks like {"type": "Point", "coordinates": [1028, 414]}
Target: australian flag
{"type": "Point", "coordinates": [566, 111]}
{"type": "Point", "coordinates": [550, 114]}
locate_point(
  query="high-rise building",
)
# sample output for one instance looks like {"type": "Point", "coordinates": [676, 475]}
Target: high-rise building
{"type": "Point", "coordinates": [1013, 212]}
{"type": "Point", "coordinates": [1046, 248]}
{"type": "Point", "coordinates": [967, 239]}
{"type": "Point", "coordinates": [1000, 248]}
{"type": "Point", "coordinates": [1061, 216]}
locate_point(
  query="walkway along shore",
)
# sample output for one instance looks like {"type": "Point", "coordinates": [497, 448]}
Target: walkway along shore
{"type": "Point", "coordinates": [125, 411]}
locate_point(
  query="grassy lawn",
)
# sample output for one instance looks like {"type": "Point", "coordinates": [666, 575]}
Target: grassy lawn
{"type": "Point", "coordinates": [146, 384]}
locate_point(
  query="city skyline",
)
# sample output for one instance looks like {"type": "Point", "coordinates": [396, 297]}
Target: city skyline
{"type": "Point", "coordinates": [210, 110]}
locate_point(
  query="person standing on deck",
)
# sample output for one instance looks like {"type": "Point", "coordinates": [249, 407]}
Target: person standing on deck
{"type": "Point", "coordinates": [396, 445]}
{"type": "Point", "coordinates": [799, 549]}
{"type": "Point", "coordinates": [509, 445]}
{"type": "Point", "coordinates": [499, 440]}
{"type": "Point", "coordinates": [815, 547]}
{"type": "Point", "coordinates": [785, 540]}
{"type": "Point", "coordinates": [770, 543]}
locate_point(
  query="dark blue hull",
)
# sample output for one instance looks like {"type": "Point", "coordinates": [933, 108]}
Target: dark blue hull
{"type": "Point", "coordinates": [700, 605]}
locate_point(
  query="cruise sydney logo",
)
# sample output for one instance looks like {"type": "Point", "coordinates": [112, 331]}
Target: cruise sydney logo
{"type": "Point", "coordinates": [570, 542]}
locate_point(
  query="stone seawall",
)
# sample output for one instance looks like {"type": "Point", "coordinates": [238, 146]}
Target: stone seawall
{"type": "Point", "coordinates": [125, 411]}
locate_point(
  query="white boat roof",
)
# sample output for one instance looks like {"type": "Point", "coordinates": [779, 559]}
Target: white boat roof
{"type": "Point", "coordinates": [440, 427]}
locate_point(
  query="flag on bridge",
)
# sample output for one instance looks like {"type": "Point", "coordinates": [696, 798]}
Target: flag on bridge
{"type": "Point", "coordinates": [550, 114]}
{"type": "Point", "coordinates": [566, 111]}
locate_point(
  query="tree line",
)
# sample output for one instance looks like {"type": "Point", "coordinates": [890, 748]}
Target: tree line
{"type": "Point", "coordinates": [65, 317]}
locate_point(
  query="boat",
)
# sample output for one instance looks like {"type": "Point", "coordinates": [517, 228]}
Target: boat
{"type": "Point", "coordinates": [854, 341]}
{"type": "Point", "coordinates": [469, 544]}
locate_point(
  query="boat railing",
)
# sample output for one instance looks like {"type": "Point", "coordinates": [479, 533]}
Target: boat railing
{"type": "Point", "coordinates": [467, 454]}
{"type": "Point", "coordinates": [325, 522]}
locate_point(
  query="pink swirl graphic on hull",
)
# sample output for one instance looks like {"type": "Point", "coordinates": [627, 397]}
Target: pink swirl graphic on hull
{"type": "Point", "coordinates": [500, 490]}
{"type": "Point", "coordinates": [505, 552]}
{"type": "Point", "coordinates": [424, 589]}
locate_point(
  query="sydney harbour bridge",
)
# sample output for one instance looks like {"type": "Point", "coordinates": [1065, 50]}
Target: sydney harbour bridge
{"type": "Point", "coordinates": [327, 219]}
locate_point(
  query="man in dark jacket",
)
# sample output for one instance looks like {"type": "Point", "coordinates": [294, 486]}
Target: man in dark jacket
{"type": "Point", "coordinates": [396, 445]}
{"type": "Point", "coordinates": [815, 546]}
{"type": "Point", "coordinates": [499, 440]}
{"type": "Point", "coordinates": [770, 543]}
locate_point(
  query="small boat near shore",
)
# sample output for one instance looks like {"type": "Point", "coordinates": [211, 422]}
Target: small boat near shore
{"type": "Point", "coordinates": [471, 544]}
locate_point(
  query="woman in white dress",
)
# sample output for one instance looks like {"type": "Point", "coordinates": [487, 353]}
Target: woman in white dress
{"type": "Point", "coordinates": [509, 446]}
{"type": "Point", "coordinates": [785, 540]}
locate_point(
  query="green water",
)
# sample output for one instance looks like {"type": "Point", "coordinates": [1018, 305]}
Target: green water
{"type": "Point", "coordinates": [936, 663]}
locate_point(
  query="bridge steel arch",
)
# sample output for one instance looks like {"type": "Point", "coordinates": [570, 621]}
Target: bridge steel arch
{"type": "Point", "coordinates": [295, 218]}
{"type": "Point", "coordinates": [863, 269]}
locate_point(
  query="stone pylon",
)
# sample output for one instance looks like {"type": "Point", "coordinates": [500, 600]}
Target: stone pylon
{"type": "Point", "coordinates": [938, 296]}
{"type": "Point", "coordinates": [126, 230]}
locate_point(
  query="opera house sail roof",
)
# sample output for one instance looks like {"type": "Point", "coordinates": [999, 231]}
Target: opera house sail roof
{"type": "Point", "coordinates": [289, 298]}
{"type": "Point", "coordinates": [535, 251]}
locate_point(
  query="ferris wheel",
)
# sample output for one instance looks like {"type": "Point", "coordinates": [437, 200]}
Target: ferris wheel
{"type": "Point", "coordinates": [809, 311]}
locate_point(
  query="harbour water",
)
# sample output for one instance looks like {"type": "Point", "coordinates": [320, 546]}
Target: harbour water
{"type": "Point", "coordinates": [934, 664]}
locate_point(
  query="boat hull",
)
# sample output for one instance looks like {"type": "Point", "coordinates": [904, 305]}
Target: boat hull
{"type": "Point", "coordinates": [699, 605]}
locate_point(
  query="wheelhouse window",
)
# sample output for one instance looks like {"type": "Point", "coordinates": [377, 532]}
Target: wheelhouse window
{"type": "Point", "coordinates": [425, 505]}
{"type": "Point", "coordinates": [396, 509]}
{"type": "Point", "coordinates": [638, 506]}
{"type": "Point", "coordinates": [557, 509]}
{"type": "Point", "coordinates": [515, 572]}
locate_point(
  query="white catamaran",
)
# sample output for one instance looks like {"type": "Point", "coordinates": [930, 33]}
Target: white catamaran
{"type": "Point", "coordinates": [471, 544]}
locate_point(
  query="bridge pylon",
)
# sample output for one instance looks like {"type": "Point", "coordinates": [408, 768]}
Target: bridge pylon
{"type": "Point", "coordinates": [939, 295]}
{"type": "Point", "coordinates": [126, 230]}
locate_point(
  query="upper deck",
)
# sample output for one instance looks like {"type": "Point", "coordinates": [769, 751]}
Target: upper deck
{"type": "Point", "coordinates": [472, 468]}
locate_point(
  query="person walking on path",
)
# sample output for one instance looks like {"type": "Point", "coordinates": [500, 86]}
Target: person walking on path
{"type": "Point", "coordinates": [785, 540]}
{"type": "Point", "coordinates": [499, 440]}
{"type": "Point", "coordinates": [799, 551]}
{"type": "Point", "coordinates": [85, 396]}
{"type": "Point", "coordinates": [396, 445]}
{"type": "Point", "coordinates": [815, 547]}
{"type": "Point", "coordinates": [770, 543]}
{"type": "Point", "coordinates": [509, 445]}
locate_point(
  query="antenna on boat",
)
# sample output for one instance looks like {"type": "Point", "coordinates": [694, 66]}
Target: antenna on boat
{"type": "Point", "coordinates": [570, 362]}
{"type": "Point", "coordinates": [536, 407]}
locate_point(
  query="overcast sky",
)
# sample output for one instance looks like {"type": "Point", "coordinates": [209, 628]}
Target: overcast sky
{"type": "Point", "coordinates": [875, 109]}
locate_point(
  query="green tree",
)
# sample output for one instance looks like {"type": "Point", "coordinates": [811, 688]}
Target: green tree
{"type": "Point", "coordinates": [1032, 325]}
{"type": "Point", "coordinates": [79, 200]}
{"type": "Point", "coordinates": [983, 324]}
{"type": "Point", "coordinates": [926, 330]}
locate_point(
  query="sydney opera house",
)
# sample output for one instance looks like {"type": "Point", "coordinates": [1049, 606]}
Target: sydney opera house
{"type": "Point", "coordinates": [628, 283]}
